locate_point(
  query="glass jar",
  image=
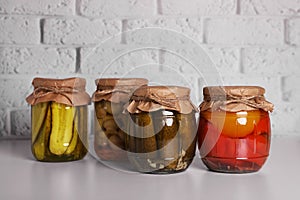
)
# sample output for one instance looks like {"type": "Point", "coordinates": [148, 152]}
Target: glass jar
{"type": "Point", "coordinates": [234, 128]}
{"type": "Point", "coordinates": [110, 121]}
{"type": "Point", "coordinates": [162, 134]}
{"type": "Point", "coordinates": [59, 119]}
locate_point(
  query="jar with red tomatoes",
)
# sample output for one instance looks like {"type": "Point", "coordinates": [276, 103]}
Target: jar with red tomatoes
{"type": "Point", "coordinates": [234, 128]}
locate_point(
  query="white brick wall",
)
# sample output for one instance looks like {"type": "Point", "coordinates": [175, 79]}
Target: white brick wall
{"type": "Point", "coordinates": [196, 7]}
{"type": "Point", "coordinates": [280, 60]}
{"type": "Point", "coordinates": [79, 31]}
{"type": "Point", "coordinates": [40, 7]}
{"type": "Point", "coordinates": [294, 31]}
{"type": "Point", "coordinates": [189, 27]}
{"type": "Point", "coordinates": [117, 8]}
{"type": "Point", "coordinates": [37, 60]}
{"type": "Point", "coordinates": [19, 30]}
{"type": "Point", "coordinates": [269, 7]}
{"type": "Point", "coordinates": [251, 42]}
{"type": "Point", "coordinates": [13, 91]}
{"type": "Point", "coordinates": [118, 60]}
{"type": "Point", "coordinates": [244, 31]}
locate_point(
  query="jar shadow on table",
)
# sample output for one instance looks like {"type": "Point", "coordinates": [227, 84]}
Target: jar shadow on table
{"type": "Point", "coordinates": [197, 163]}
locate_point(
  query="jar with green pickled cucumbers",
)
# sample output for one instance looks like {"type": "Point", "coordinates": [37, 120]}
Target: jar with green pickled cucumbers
{"type": "Point", "coordinates": [109, 120]}
{"type": "Point", "coordinates": [59, 117]}
{"type": "Point", "coordinates": [162, 131]}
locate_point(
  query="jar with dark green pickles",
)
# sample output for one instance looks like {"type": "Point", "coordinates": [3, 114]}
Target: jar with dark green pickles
{"type": "Point", "coordinates": [162, 131]}
{"type": "Point", "coordinates": [59, 119]}
{"type": "Point", "coordinates": [109, 120]}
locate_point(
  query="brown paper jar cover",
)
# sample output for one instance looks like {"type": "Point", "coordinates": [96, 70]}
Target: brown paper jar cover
{"type": "Point", "coordinates": [153, 98]}
{"type": "Point", "coordinates": [116, 90]}
{"type": "Point", "coordinates": [235, 98]}
{"type": "Point", "coordinates": [70, 91]}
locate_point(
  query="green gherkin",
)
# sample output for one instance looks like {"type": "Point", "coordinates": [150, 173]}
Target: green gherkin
{"type": "Point", "coordinates": [62, 128]}
{"type": "Point", "coordinates": [188, 134]}
{"type": "Point", "coordinates": [167, 146]}
{"type": "Point", "coordinates": [40, 143]}
{"type": "Point", "coordinates": [168, 140]}
{"type": "Point", "coordinates": [38, 115]}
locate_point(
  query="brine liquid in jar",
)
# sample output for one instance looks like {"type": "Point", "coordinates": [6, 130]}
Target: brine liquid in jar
{"type": "Point", "coordinates": [234, 132]}
{"type": "Point", "coordinates": [162, 142]}
{"type": "Point", "coordinates": [161, 139]}
{"type": "Point", "coordinates": [109, 140]}
{"type": "Point", "coordinates": [234, 142]}
{"type": "Point", "coordinates": [59, 117]}
{"type": "Point", "coordinates": [59, 132]}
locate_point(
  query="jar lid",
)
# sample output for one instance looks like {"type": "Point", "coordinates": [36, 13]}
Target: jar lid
{"type": "Point", "coordinates": [225, 91]}
{"type": "Point", "coordinates": [152, 98]}
{"type": "Point", "coordinates": [113, 82]}
{"type": "Point", "coordinates": [116, 89]}
{"type": "Point", "coordinates": [70, 91]}
{"type": "Point", "coordinates": [235, 98]}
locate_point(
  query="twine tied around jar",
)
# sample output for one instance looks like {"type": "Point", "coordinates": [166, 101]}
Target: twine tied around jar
{"type": "Point", "coordinates": [70, 91]}
{"type": "Point", "coordinates": [153, 98]}
{"type": "Point", "coordinates": [235, 98]}
{"type": "Point", "coordinates": [168, 102]}
{"type": "Point", "coordinates": [253, 101]}
{"type": "Point", "coordinates": [44, 91]}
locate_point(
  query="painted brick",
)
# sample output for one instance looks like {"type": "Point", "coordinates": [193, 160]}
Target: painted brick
{"type": "Point", "coordinates": [270, 7]}
{"type": "Point", "coordinates": [294, 31]}
{"type": "Point", "coordinates": [19, 30]}
{"type": "Point", "coordinates": [185, 61]}
{"type": "Point", "coordinates": [42, 7]}
{"type": "Point", "coordinates": [170, 77]}
{"type": "Point", "coordinates": [163, 31]}
{"type": "Point", "coordinates": [14, 91]}
{"type": "Point", "coordinates": [117, 9]}
{"type": "Point", "coordinates": [244, 31]}
{"type": "Point", "coordinates": [202, 60]}
{"type": "Point", "coordinates": [3, 128]}
{"type": "Point", "coordinates": [36, 60]}
{"type": "Point", "coordinates": [271, 60]}
{"type": "Point", "coordinates": [290, 88]}
{"type": "Point", "coordinates": [226, 59]}
{"type": "Point", "coordinates": [20, 122]}
{"type": "Point", "coordinates": [119, 60]}
{"type": "Point", "coordinates": [79, 31]}
{"type": "Point", "coordinates": [285, 119]}
{"type": "Point", "coordinates": [196, 7]}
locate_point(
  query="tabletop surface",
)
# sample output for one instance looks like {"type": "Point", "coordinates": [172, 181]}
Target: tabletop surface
{"type": "Point", "coordinates": [21, 177]}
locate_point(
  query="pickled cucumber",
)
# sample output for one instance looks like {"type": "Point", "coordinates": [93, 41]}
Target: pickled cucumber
{"type": "Point", "coordinates": [74, 140]}
{"type": "Point", "coordinates": [62, 128]}
{"type": "Point", "coordinates": [39, 146]}
{"type": "Point", "coordinates": [168, 141]}
{"type": "Point", "coordinates": [80, 129]}
{"type": "Point", "coordinates": [188, 134]}
{"type": "Point", "coordinates": [38, 115]}
{"type": "Point", "coordinates": [169, 146]}
{"type": "Point", "coordinates": [143, 141]}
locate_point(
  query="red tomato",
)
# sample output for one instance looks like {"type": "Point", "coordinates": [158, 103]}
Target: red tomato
{"type": "Point", "coordinates": [239, 124]}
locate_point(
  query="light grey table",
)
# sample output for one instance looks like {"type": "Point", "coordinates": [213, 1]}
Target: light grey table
{"type": "Point", "coordinates": [21, 177]}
